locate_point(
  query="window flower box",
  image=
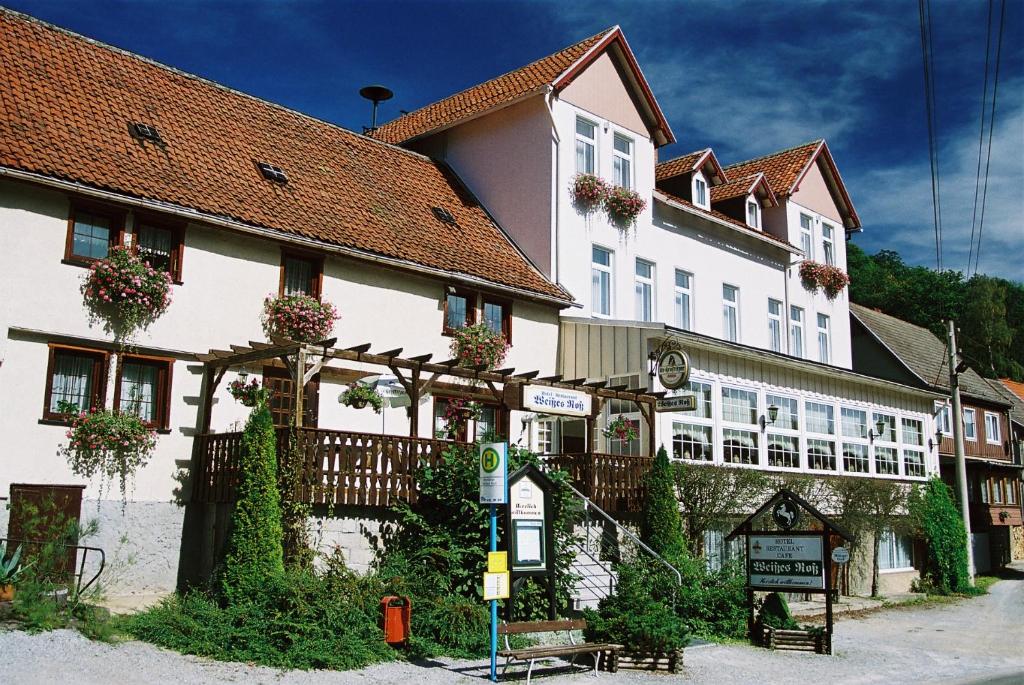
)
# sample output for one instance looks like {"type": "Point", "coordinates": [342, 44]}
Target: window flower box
{"type": "Point", "coordinates": [831, 279]}
{"type": "Point", "coordinates": [298, 317]}
{"type": "Point", "coordinates": [125, 293]}
{"type": "Point", "coordinates": [623, 206]}
{"type": "Point", "coordinates": [479, 344]}
{"type": "Point", "coordinates": [588, 192]}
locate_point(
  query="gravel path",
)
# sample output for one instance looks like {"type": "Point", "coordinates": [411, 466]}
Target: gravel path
{"type": "Point", "coordinates": [973, 640]}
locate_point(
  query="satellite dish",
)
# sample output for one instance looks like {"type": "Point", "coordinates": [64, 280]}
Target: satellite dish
{"type": "Point", "coordinates": [376, 95]}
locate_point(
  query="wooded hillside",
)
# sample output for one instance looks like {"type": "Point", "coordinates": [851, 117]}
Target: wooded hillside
{"type": "Point", "coordinates": [989, 311]}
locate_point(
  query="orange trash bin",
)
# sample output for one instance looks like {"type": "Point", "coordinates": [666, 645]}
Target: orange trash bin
{"type": "Point", "coordinates": [395, 615]}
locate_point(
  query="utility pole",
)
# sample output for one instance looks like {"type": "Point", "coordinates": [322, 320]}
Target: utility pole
{"type": "Point", "coordinates": [958, 441]}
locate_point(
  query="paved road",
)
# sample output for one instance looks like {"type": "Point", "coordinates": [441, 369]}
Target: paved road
{"type": "Point", "coordinates": [973, 641]}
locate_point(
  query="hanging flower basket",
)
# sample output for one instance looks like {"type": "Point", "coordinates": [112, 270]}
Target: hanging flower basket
{"type": "Point", "coordinates": [107, 444]}
{"type": "Point", "coordinates": [478, 344]}
{"type": "Point", "coordinates": [623, 207]}
{"type": "Point", "coordinates": [621, 428]}
{"type": "Point", "coordinates": [298, 317]}
{"type": "Point", "coordinates": [832, 280]}
{"type": "Point", "coordinates": [360, 395]}
{"type": "Point", "coordinates": [456, 413]}
{"type": "Point", "coordinates": [588, 192]}
{"type": "Point", "coordinates": [810, 275]}
{"type": "Point", "coordinates": [125, 293]}
{"type": "Point", "coordinates": [249, 394]}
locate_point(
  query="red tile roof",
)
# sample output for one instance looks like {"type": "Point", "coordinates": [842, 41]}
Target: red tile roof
{"type": "Point", "coordinates": [739, 187]}
{"type": "Point", "coordinates": [66, 103]}
{"type": "Point", "coordinates": [680, 165]}
{"type": "Point", "coordinates": [725, 217]}
{"type": "Point", "coordinates": [782, 169]}
{"type": "Point", "coordinates": [556, 70]}
{"type": "Point", "coordinates": [1016, 387]}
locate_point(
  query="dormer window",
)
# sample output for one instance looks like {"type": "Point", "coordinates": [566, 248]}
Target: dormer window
{"type": "Point", "coordinates": [623, 161]}
{"type": "Point", "coordinates": [753, 214]}
{"type": "Point", "coordinates": [586, 137]}
{"type": "Point", "coordinates": [700, 192]}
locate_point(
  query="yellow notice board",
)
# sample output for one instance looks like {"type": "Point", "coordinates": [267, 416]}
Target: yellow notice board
{"type": "Point", "coordinates": [497, 562]}
{"type": "Point", "coordinates": [496, 585]}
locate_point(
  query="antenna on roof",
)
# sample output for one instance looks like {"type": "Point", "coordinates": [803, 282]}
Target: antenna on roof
{"type": "Point", "coordinates": [377, 95]}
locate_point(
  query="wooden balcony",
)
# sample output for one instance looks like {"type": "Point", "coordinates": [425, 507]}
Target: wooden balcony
{"type": "Point", "coordinates": [341, 468]}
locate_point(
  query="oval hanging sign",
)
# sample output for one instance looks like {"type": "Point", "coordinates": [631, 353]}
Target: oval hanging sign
{"type": "Point", "coordinates": [673, 369]}
{"type": "Point", "coordinates": [840, 555]}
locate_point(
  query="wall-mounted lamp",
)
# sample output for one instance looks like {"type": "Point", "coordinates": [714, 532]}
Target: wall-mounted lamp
{"type": "Point", "coordinates": [773, 413]}
{"type": "Point", "coordinates": [936, 441]}
{"type": "Point", "coordinates": [879, 431]}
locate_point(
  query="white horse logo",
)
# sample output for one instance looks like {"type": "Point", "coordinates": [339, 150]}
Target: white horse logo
{"type": "Point", "coordinates": [783, 512]}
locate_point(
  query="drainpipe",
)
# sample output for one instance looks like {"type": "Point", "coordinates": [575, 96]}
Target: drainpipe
{"type": "Point", "coordinates": [548, 95]}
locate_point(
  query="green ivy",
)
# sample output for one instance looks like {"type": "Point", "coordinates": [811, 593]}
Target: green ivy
{"type": "Point", "coordinates": [936, 515]}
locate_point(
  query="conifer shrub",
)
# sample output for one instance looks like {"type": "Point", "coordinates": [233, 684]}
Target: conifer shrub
{"type": "Point", "coordinates": [661, 528]}
{"type": "Point", "coordinates": [935, 513]}
{"type": "Point", "coordinates": [254, 557]}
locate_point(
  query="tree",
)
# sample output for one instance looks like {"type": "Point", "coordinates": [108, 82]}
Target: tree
{"type": "Point", "coordinates": [254, 552]}
{"type": "Point", "coordinates": [661, 528]}
{"type": "Point", "coordinates": [711, 495]}
{"type": "Point", "coordinates": [983, 318]}
{"type": "Point", "coordinates": [935, 514]}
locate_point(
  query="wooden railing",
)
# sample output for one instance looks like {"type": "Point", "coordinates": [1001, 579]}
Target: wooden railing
{"type": "Point", "coordinates": [613, 482]}
{"type": "Point", "coordinates": [336, 468]}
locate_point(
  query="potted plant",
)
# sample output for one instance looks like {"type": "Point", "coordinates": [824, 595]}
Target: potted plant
{"type": "Point", "coordinates": [107, 444]}
{"type": "Point", "coordinates": [620, 428]}
{"type": "Point", "coordinates": [9, 572]}
{"type": "Point", "coordinates": [249, 394]}
{"type": "Point", "coordinates": [360, 395]}
{"type": "Point", "coordinates": [298, 317]}
{"type": "Point", "coordinates": [810, 275]}
{"type": "Point", "coordinates": [125, 292]}
{"type": "Point", "coordinates": [588, 192]}
{"type": "Point", "coordinates": [623, 206]}
{"type": "Point", "coordinates": [832, 280]}
{"type": "Point", "coordinates": [479, 344]}
{"type": "Point", "coordinates": [456, 412]}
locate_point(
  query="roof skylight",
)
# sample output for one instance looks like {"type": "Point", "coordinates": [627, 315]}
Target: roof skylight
{"type": "Point", "coordinates": [145, 132]}
{"type": "Point", "coordinates": [272, 173]}
{"type": "Point", "coordinates": [443, 214]}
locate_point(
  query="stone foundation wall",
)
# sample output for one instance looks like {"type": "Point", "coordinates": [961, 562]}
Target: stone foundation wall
{"type": "Point", "coordinates": [1017, 542]}
{"type": "Point", "coordinates": [352, 531]}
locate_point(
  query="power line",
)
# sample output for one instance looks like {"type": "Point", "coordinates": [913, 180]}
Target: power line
{"type": "Point", "coordinates": [981, 135]}
{"type": "Point", "coordinates": [991, 126]}
{"type": "Point", "coordinates": [924, 15]}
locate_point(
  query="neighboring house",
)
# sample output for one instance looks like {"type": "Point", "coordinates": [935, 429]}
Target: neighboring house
{"type": "Point", "coordinates": [244, 199]}
{"type": "Point", "coordinates": [712, 265]}
{"type": "Point", "coordinates": [891, 348]}
{"type": "Point", "coordinates": [1014, 392]}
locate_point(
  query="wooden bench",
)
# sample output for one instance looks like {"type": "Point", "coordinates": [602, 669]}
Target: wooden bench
{"type": "Point", "coordinates": [533, 654]}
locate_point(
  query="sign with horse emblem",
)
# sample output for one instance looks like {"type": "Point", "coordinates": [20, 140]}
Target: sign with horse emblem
{"type": "Point", "coordinates": [785, 514]}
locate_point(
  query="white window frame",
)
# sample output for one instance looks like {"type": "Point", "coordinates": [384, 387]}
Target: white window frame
{"type": "Point", "coordinates": [833, 437]}
{"type": "Point", "coordinates": [883, 441]}
{"type": "Point", "coordinates": [735, 306]}
{"type": "Point", "coordinates": [828, 245]}
{"type": "Point", "coordinates": [807, 235]}
{"type": "Point", "coordinates": [973, 423]}
{"type": "Point", "coordinates": [592, 142]}
{"type": "Point", "coordinates": [546, 433]}
{"type": "Point", "coordinates": [700, 192]}
{"type": "Point", "coordinates": [753, 213]}
{"type": "Point", "coordinates": [825, 351]}
{"type": "Point", "coordinates": [797, 324]}
{"type": "Point", "coordinates": [753, 428]}
{"type": "Point", "coordinates": [687, 292]}
{"type": "Point", "coordinates": [944, 418]}
{"type": "Point", "coordinates": [601, 268]}
{"type": "Point", "coordinates": [775, 326]}
{"type": "Point", "coordinates": [642, 284]}
{"type": "Point", "coordinates": [705, 423]}
{"type": "Point", "coordinates": [778, 430]}
{"type": "Point", "coordinates": [625, 181]}
{"type": "Point", "coordinates": [998, 431]}
{"type": "Point", "coordinates": [891, 539]}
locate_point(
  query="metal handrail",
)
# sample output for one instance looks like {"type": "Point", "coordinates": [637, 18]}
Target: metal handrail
{"type": "Point", "coordinates": [79, 588]}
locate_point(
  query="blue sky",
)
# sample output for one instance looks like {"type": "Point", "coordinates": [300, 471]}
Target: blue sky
{"type": "Point", "coordinates": [743, 77]}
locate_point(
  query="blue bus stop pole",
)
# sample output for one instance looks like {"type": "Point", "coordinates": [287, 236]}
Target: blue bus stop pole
{"type": "Point", "coordinates": [494, 602]}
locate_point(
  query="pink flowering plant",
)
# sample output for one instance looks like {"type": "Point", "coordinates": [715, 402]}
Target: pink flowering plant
{"type": "Point", "coordinates": [125, 293]}
{"type": "Point", "coordinates": [107, 444]}
{"type": "Point", "coordinates": [249, 394]}
{"type": "Point", "coordinates": [620, 428]}
{"type": "Point", "coordinates": [479, 344]}
{"type": "Point", "coordinates": [588, 192]}
{"type": "Point", "coordinates": [456, 413]}
{"type": "Point", "coordinates": [810, 275]}
{"type": "Point", "coordinates": [831, 279]}
{"type": "Point", "coordinates": [623, 206]}
{"type": "Point", "coordinates": [298, 317]}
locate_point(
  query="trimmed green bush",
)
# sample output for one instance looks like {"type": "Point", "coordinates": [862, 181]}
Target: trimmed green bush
{"type": "Point", "coordinates": [633, 618]}
{"type": "Point", "coordinates": [254, 557]}
{"type": "Point", "coordinates": [936, 515]}
{"type": "Point", "coordinates": [661, 527]}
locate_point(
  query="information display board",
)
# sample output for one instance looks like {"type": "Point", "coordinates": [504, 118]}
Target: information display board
{"type": "Point", "coordinates": [786, 561]}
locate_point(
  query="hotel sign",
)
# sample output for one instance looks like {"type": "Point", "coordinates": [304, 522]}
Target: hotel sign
{"type": "Point", "coordinates": [678, 403]}
{"type": "Point", "coordinates": [785, 562]}
{"type": "Point", "coordinates": [548, 400]}
{"type": "Point", "coordinates": [673, 369]}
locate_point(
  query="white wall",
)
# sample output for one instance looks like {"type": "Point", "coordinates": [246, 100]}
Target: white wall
{"type": "Point", "coordinates": [225, 278]}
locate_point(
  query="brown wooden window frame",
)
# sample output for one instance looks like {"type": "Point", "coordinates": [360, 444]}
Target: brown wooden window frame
{"type": "Point", "coordinates": [164, 377]}
{"type": "Point", "coordinates": [316, 271]}
{"type": "Point", "coordinates": [506, 313]}
{"type": "Point", "coordinates": [101, 362]}
{"type": "Point", "coordinates": [471, 297]}
{"type": "Point", "coordinates": [177, 231]}
{"type": "Point", "coordinates": [117, 222]}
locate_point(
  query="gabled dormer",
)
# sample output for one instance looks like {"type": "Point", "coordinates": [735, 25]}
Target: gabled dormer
{"type": "Point", "coordinates": [691, 177]}
{"type": "Point", "coordinates": [745, 199]}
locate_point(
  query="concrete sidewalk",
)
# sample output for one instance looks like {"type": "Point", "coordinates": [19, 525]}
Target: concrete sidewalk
{"type": "Point", "coordinates": [816, 607]}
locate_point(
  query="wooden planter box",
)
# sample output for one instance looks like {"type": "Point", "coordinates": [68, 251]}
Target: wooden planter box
{"type": "Point", "coordinates": [671, 662]}
{"type": "Point", "coordinates": [796, 640]}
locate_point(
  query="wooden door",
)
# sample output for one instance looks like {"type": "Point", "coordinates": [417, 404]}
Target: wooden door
{"type": "Point", "coordinates": [46, 514]}
{"type": "Point", "coordinates": [282, 397]}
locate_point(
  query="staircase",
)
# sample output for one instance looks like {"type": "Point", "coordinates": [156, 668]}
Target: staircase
{"type": "Point", "coordinates": [600, 543]}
